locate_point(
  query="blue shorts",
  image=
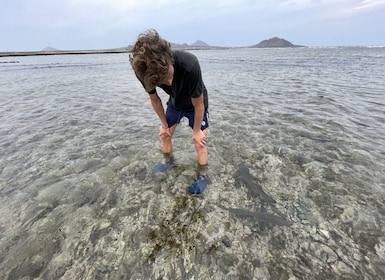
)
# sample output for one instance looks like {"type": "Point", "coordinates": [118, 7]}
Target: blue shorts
{"type": "Point", "coordinates": [174, 116]}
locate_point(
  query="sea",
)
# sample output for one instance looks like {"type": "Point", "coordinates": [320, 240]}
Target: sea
{"type": "Point", "coordinates": [296, 164]}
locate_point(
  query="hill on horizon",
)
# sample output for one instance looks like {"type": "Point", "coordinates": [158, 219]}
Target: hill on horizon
{"type": "Point", "coordinates": [200, 43]}
{"type": "Point", "coordinates": [50, 49]}
{"type": "Point", "coordinates": [275, 42]}
{"type": "Point", "coordinates": [197, 43]}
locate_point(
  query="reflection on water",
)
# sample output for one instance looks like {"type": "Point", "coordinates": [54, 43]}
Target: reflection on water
{"type": "Point", "coordinates": [297, 170]}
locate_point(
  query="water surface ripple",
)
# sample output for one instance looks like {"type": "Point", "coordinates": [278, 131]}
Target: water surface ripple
{"type": "Point", "coordinates": [297, 168]}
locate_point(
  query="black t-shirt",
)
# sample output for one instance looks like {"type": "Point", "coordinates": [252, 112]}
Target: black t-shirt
{"type": "Point", "coordinates": [187, 82]}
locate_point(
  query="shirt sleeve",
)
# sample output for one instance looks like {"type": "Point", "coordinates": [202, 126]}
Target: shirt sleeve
{"type": "Point", "coordinates": [152, 91]}
{"type": "Point", "coordinates": [195, 81]}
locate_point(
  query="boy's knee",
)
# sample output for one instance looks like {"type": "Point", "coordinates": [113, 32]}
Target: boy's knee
{"type": "Point", "coordinates": [199, 148]}
{"type": "Point", "coordinates": [165, 138]}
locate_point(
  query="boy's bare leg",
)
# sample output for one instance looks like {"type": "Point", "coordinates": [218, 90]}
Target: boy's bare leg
{"type": "Point", "coordinates": [166, 140]}
{"type": "Point", "coordinates": [202, 154]}
{"type": "Point", "coordinates": [200, 184]}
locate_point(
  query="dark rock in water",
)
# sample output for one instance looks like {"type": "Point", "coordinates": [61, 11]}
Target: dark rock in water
{"type": "Point", "coordinates": [275, 42]}
{"type": "Point", "coordinates": [262, 217]}
{"type": "Point", "coordinates": [255, 189]}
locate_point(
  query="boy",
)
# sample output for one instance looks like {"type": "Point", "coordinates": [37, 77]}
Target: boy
{"type": "Point", "coordinates": [178, 73]}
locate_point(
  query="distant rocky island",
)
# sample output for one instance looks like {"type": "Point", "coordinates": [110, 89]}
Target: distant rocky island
{"type": "Point", "coordinates": [50, 49]}
{"type": "Point", "coordinates": [199, 43]}
{"type": "Point", "coordinates": [196, 45]}
{"type": "Point", "coordinates": [275, 42]}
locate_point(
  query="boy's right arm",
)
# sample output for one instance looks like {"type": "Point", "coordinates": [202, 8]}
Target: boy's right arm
{"type": "Point", "coordinates": [157, 105]}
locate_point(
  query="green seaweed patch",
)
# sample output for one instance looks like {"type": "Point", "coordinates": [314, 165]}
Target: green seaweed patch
{"type": "Point", "coordinates": [179, 232]}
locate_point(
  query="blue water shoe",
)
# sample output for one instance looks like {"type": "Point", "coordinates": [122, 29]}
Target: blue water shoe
{"type": "Point", "coordinates": [199, 185]}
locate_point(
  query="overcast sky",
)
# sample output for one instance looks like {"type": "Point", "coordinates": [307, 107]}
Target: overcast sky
{"type": "Point", "coordinates": [29, 25]}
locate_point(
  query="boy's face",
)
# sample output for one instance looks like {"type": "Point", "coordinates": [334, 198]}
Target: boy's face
{"type": "Point", "coordinates": [170, 76]}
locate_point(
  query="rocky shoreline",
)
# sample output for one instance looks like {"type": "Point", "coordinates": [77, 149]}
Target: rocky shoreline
{"type": "Point", "coordinates": [57, 52]}
{"type": "Point", "coordinates": [120, 50]}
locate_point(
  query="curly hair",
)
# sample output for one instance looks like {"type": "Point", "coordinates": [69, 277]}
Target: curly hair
{"type": "Point", "coordinates": [150, 58]}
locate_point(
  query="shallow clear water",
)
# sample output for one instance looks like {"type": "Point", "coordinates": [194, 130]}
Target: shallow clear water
{"type": "Point", "coordinates": [297, 168]}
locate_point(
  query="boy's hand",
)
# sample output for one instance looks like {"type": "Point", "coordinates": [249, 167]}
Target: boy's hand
{"type": "Point", "coordinates": [199, 138]}
{"type": "Point", "coordinates": [164, 132]}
